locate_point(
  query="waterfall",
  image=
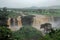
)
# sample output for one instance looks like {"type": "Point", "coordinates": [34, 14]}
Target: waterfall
{"type": "Point", "coordinates": [19, 21]}
{"type": "Point", "coordinates": [8, 22]}
{"type": "Point", "coordinates": [56, 22]}
{"type": "Point", "coordinates": [41, 19]}
{"type": "Point", "coordinates": [14, 23]}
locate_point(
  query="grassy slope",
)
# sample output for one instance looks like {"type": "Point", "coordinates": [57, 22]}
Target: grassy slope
{"type": "Point", "coordinates": [27, 33]}
{"type": "Point", "coordinates": [30, 12]}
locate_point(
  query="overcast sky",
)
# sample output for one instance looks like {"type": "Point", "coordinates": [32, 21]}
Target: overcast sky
{"type": "Point", "coordinates": [28, 3]}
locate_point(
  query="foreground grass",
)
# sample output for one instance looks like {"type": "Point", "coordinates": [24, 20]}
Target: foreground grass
{"type": "Point", "coordinates": [27, 33]}
{"type": "Point", "coordinates": [30, 33]}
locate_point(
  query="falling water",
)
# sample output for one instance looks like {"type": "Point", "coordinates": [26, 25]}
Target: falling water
{"type": "Point", "coordinates": [8, 22]}
{"type": "Point", "coordinates": [41, 19]}
{"type": "Point", "coordinates": [19, 21]}
{"type": "Point", "coordinates": [56, 22]}
{"type": "Point", "coordinates": [14, 24]}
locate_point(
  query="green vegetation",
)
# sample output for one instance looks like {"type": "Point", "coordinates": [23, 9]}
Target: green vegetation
{"type": "Point", "coordinates": [4, 13]}
{"type": "Point", "coordinates": [17, 12]}
{"type": "Point", "coordinates": [3, 16]}
{"type": "Point", "coordinates": [27, 33]}
{"type": "Point", "coordinates": [53, 36]}
{"type": "Point", "coordinates": [49, 12]}
{"type": "Point", "coordinates": [27, 20]}
{"type": "Point", "coordinates": [30, 33]}
{"type": "Point", "coordinates": [5, 33]}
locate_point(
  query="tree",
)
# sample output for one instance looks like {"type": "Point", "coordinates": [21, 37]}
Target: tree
{"type": "Point", "coordinates": [47, 27]}
{"type": "Point", "coordinates": [27, 20]}
{"type": "Point", "coordinates": [53, 36]}
{"type": "Point", "coordinates": [3, 17]}
{"type": "Point", "coordinates": [5, 33]}
{"type": "Point", "coordinates": [27, 33]}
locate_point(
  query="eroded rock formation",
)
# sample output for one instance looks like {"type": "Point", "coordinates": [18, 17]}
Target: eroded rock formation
{"type": "Point", "coordinates": [35, 21]}
{"type": "Point", "coordinates": [41, 19]}
{"type": "Point", "coordinates": [14, 23]}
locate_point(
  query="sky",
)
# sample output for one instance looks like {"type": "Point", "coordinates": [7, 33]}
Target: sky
{"type": "Point", "coordinates": [28, 3]}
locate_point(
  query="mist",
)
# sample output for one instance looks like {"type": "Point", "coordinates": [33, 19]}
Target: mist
{"type": "Point", "coordinates": [28, 3]}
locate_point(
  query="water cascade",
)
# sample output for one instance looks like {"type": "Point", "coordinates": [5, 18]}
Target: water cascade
{"type": "Point", "coordinates": [41, 19]}
{"type": "Point", "coordinates": [14, 23]}
{"type": "Point", "coordinates": [8, 22]}
{"type": "Point", "coordinates": [19, 21]}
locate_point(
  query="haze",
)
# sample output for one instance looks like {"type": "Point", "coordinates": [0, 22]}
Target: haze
{"type": "Point", "coordinates": [28, 3]}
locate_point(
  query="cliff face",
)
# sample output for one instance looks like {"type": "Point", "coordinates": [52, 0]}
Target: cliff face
{"type": "Point", "coordinates": [14, 24]}
{"type": "Point", "coordinates": [35, 21]}
{"type": "Point", "coordinates": [41, 19]}
{"type": "Point", "coordinates": [56, 21]}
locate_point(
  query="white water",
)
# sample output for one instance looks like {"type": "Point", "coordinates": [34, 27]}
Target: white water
{"type": "Point", "coordinates": [38, 20]}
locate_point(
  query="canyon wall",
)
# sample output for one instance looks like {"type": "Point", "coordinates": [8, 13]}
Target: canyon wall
{"type": "Point", "coordinates": [16, 23]}
{"type": "Point", "coordinates": [41, 19]}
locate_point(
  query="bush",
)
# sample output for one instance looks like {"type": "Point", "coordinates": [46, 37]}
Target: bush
{"type": "Point", "coordinates": [27, 33]}
{"type": "Point", "coordinates": [53, 36]}
{"type": "Point", "coordinates": [5, 33]}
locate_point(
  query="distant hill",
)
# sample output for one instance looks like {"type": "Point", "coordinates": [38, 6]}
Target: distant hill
{"type": "Point", "coordinates": [54, 7]}
{"type": "Point", "coordinates": [49, 7]}
{"type": "Point", "coordinates": [35, 7]}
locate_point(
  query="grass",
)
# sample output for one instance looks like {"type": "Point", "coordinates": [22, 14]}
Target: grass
{"type": "Point", "coordinates": [27, 33]}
